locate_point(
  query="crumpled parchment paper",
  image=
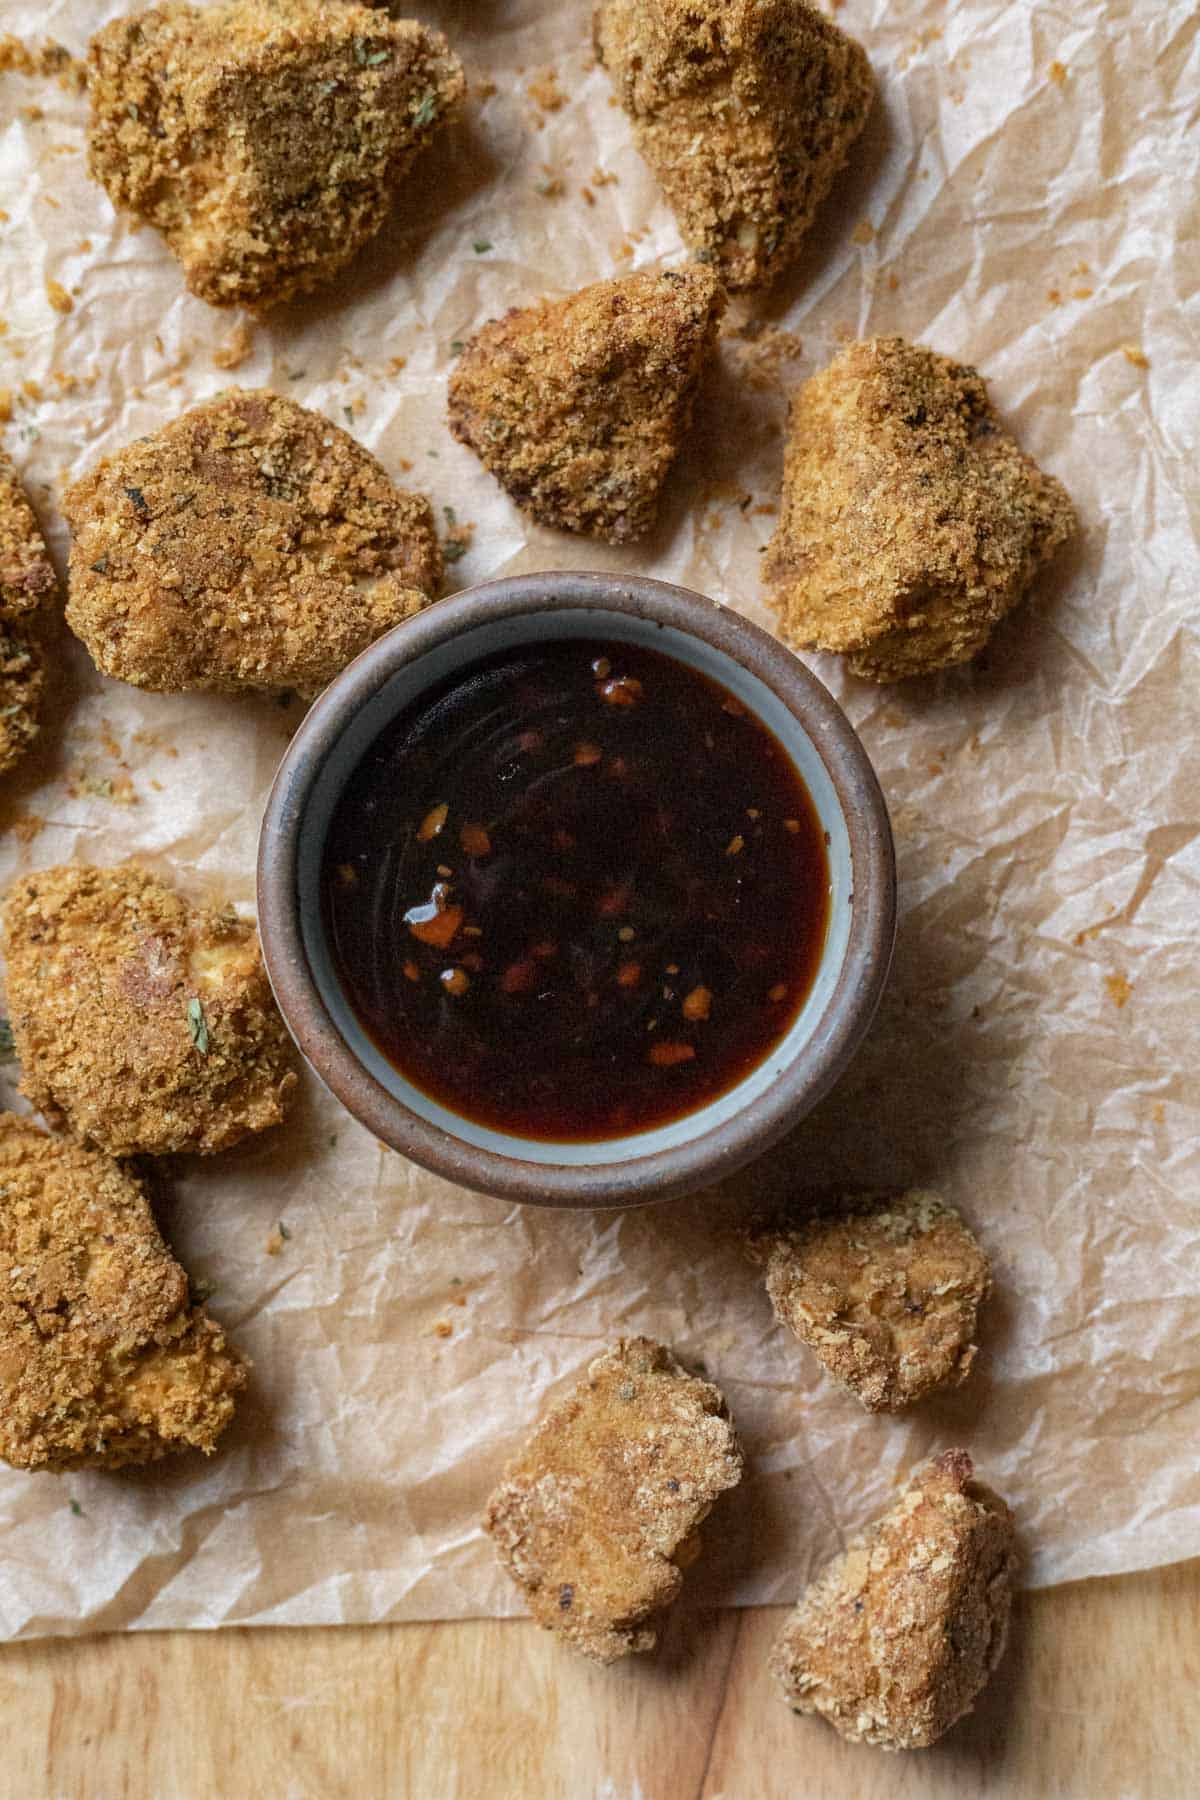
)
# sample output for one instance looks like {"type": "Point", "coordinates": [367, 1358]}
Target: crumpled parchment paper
{"type": "Point", "coordinates": [1024, 198]}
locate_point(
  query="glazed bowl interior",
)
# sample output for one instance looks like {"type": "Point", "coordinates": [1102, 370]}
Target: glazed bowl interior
{"type": "Point", "coordinates": [667, 1158]}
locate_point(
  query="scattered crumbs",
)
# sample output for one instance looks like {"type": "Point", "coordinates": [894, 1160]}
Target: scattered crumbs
{"type": "Point", "coordinates": [893, 281]}
{"type": "Point", "coordinates": [275, 1242]}
{"type": "Point", "coordinates": [284, 1233]}
{"type": "Point", "coordinates": [52, 59]}
{"type": "Point", "coordinates": [864, 232]}
{"type": "Point", "coordinates": [552, 188]}
{"type": "Point", "coordinates": [547, 96]}
{"type": "Point", "coordinates": [5, 405]}
{"type": "Point", "coordinates": [333, 1140]}
{"type": "Point", "coordinates": [1057, 73]}
{"type": "Point", "coordinates": [1158, 1112]}
{"type": "Point", "coordinates": [443, 1329]}
{"type": "Point", "coordinates": [203, 1290]}
{"type": "Point", "coordinates": [236, 348]}
{"type": "Point", "coordinates": [1082, 293]}
{"type": "Point", "coordinates": [455, 547]}
{"type": "Point", "coordinates": [1054, 297]}
{"type": "Point", "coordinates": [481, 246]}
{"type": "Point", "coordinates": [32, 390]}
{"type": "Point", "coordinates": [1119, 988]}
{"type": "Point", "coordinates": [603, 177]}
{"type": "Point", "coordinates": [395, 364]}
{"type": "Point", "coordinates": [589, 197]}
{"type": "Point", "coordinates": [58, 297]}
{"type": "Point", "coordinates": [763, 353]}
{"type": "Point", "coordinates": [1133, 355]}
{"type": "Point", "coordinates": [76, 1508]}
{"type": "Point", "coordinates": [485, 89]}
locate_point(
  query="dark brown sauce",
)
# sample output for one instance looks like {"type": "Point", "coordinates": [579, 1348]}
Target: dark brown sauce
{"type": "Point", "coordinates": [575, 892]}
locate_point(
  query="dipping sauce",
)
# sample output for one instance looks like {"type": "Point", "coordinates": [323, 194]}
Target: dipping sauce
{"type": "Point", "coordinates": [578, 891]}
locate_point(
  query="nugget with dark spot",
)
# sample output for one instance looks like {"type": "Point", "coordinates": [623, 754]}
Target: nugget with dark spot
{"type": "Point", "coordinates": [264, 138]}
{"type": "Point", "coordinates": [578, 407]}
{"type": "Point", "coordinates": [597, 1516]}
{"type": "Point", "coordinates": [249, 543]}
{"type": "Point", "coordinates": [911, 522]}
{"type": "Point", "coordinates": [745, 110]}
{"type": "Point", "coordinates": [143, 1023]}
{"type": "Point", "coordinates": [885, 1288]}
{"type": "Point", "coordinates": [897, 1638]}
{"type": "Point", "coordinates": [104, 1361]}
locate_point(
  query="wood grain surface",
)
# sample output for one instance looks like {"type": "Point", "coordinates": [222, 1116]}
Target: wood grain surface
{"type": "Point", "coordinates": [1096, 1700]}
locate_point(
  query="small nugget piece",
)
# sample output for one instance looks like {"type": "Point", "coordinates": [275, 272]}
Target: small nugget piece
{"type": "Point", "coordinates": [103, 1359]}
{"type": "Point", "coordinates": [264, 138]}
{"type": "Point", "coordinates": [898, 1636]}
{"type": "Point", "coordinates": [885, 1289]}
{"type": "Point", "coordinates": [578, 407]}
{"type": "Point", "coordinates": [745, 110]}
{"type": "Point", "coordinates": [911, 523]}
{"type": "Point", "coordinates": [141, 1022]}
{"type": "Point", "coordinates": [249, 543]}
{"type": "Point", "coordinates": [27, 585]}
{"type": "Point", "coordinates": [595, 1516]}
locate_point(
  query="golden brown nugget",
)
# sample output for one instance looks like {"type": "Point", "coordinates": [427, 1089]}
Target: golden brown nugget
{"type": "Point", "coordinates": [898, 1636]}
{"type": "Point", "coordinates": [264, 138]}
{"type": "Point", "coordinates": [578, 407]}
{"type": "Point", "coordinates": [104, 1361]}
{"type": "Point", "coordinates": [597, 1516]}
{"type": "Point", "coordinates": [885, 1289]}
{"type": "Point", "coordinates": [745, 110]}
{"type": "Point", "coordinates": [142, 1023]}
{"type": "Point", "coordinates": [249, 543]}
{"type": "Point", "coordinates": [911, 523]}
{"type": "Point", "coordinates": [27, 586]}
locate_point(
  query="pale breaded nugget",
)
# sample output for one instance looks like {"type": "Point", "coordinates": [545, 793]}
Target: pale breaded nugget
{"type": "Point", "coordinates": [596, 1516]}
{"type": "Point", "coordinates": [103, 1359]}
{"type": "Point", "coordinates": [578, 407]}
{"type": "Point", "coordinates": [896, 1639]}
{"type": "Point", "coordinates": [142, 1023]}
{"type": "Point", "coordinates": [911, 523]}
{"type": "Point", "coordinates": [249, 543]}
{"type": "Point", "coordinates": [745, 110]}
{"type": "Point", "coordinates": [885, 1288]}
{"type": "Point", "coordinates": [27, 585]}
{"type": "Point", "coordinates": [264, 138]}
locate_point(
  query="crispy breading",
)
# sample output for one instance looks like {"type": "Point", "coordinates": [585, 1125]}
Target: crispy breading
{"type": "Point", "coordinates": [578, 407]}
{"type": "Point", "coordinates": [896, 1639]}
{"type": "Point", "coordinates": [597, 1515]}
{"type": "Point", "coordinates": [745, 110]}
{"type": "Point", "coordinates": [249, 543]}
{"type": "Point", "coordinates": [910, 523]}
{"type": "Point", "coordinates": [885, 1288]}
{"type": "Point", "coordinates": [264, 138]}
{"type": "Point", "coordinates": [142, 1023]}
{"type": "Point", "coordinates": [104, 1361]}
{"type": "Point", "coordinates": [27, 585]}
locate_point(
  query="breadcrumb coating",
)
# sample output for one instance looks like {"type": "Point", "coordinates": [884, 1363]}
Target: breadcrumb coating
{"type": "Point", "coordinates": [885, 1289]}
{"type": "Point", "coordinates": [896, 1639]}
{"type": "Point", "coordinates": [910, 522]}
{"type": "Point", "coordinates": [597, 1516]}
{"type": "Point", "coordinates": [249, 543]}
{"type": "Point", "coordinates": [142, 1023]}
{"type": "Point", "coordinates": [745, 110]}
{"type": "Point", "coordinates": [103, 1359]}
{"type": "Point", "coordinates": [578, 407]}
{"type": "Point", "coordinates": [265, 139]}
{"type": "Point", "coordinates": [27, 585]}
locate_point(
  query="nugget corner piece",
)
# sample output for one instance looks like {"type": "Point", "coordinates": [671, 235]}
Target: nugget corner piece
{"type": "Point", "coordinates": [745, 110]}
{"type": "Point", "coordinates": [578, 407]}
{"type": "Point", "coordinates": [104, 1361]}
{"type": "Point", "coordinates": [597, 1515]}
{"type": "Point", "coordinates": [27, 585]}
{"type": "Point", "coordinates": [911, 522]}
{"type": "Point", "coordinates": [142, 1023]}
{"type": "Point", "coordinates": [885, 1289]}
{"type": "Point", "coordinates": [896, 1639]}
{"type": "Point", "coordinates": [249, 543]}
{"type": "Point", "coordinates": [264, 138]}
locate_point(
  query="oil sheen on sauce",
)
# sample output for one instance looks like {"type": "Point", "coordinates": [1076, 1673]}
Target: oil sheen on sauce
{"type": "Point", "coordinates": [576, 892]}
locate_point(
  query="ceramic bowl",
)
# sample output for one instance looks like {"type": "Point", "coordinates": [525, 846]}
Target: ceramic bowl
{"type": "Point", "coordinates": [729, 1131]}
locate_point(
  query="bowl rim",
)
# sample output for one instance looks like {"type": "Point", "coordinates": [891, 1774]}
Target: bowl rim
{"type": "Point", "coordinates": [676, 1169]}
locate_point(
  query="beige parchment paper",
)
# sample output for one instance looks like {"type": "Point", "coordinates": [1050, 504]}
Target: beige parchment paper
{"type": "Point", "coordinates": [1025, 198]}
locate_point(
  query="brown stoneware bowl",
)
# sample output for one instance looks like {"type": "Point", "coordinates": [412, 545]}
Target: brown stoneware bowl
{"type": "Point", "coordinates": [719, 1137]}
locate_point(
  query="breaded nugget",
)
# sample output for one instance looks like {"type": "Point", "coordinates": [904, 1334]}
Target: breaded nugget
{"type": "Point", "coordinates": [27, 585]}
{"type": "Point", "coordinates": [911, 523]}
{"type": "Point", "coordinates": [745, 110]}
{"type": "Point", "coordinates": [885, 1289]}
{"type": "Point", "coordinates": [596, 1516]}
{"type": "Point", "coordinates": [249, 543]}
{"type": "Point", "coordinates": [103, 1359]}
{"type": "Point", "coordinates": [578, 407]}
{"type": "Point", "coordinates": [896, 1639]}
{"type": "Point", "coordinates": [264, 138]}
{"type": "Point", "coordinates": [142, 1023]}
